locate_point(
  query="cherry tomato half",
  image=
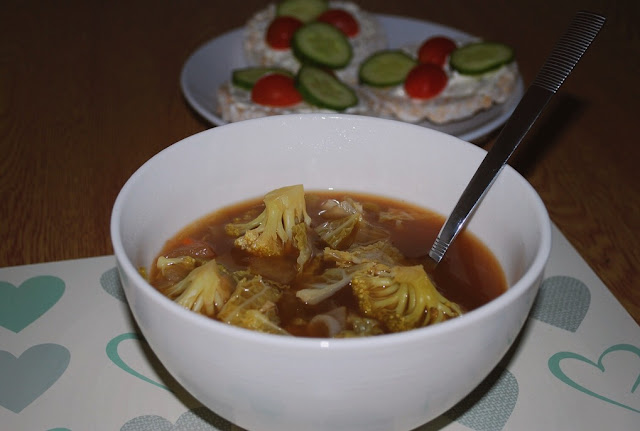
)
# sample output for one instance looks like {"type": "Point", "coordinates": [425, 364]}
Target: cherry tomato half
{"type": "Point", "coordinates": [275, 90]}
{"type": "Point", "coordinates": [425, 81]}
{"type": "Point", "coordinates": [436, 50]}
{"type": "Point", "coordinates": [280, 31]}
{"type": "Point", "coordinates": [342, 20]}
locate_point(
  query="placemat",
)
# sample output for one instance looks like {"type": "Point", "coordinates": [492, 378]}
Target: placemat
{"type": "Point", "coordinates": [72, 359]}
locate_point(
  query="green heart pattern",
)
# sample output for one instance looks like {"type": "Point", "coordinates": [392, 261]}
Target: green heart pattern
{"type": "Point", "coordinates": [20, 307]}
{"type": "Point", "coordinates": [110, 282]}
{"type": "Point", "coordinates": [200, 419]}
{"type": "Point", "coordinates": [489, 406]}
{"type": "Point", "coordinates": [556, 370]}
{"type": "Point", "coordinates": [562, 302]}
{"type": "Point", "coordinates": [112, 353]}
{"type": "Point", "coordinates": [24, 379]}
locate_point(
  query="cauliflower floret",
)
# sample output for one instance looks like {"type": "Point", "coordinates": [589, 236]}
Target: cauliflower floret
{"type": "Point", "coordinates": [204, 290]}
{"type": "Point", "coordinates": [275, 228]}
{"type": "Point", "coordinates": [402, 298]}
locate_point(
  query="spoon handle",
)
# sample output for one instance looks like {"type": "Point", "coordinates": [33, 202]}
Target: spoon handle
{"type": "Point", "coordinates": [564, 56]}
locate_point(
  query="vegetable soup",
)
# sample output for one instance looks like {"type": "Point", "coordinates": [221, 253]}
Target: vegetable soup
{"type": "Point", "coordinates": [324, 264]}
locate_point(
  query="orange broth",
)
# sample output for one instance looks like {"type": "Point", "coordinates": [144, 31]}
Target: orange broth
{"type": "Point", "coordinates": [469, 274]}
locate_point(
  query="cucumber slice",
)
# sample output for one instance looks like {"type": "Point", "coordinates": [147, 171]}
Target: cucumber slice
{"type": "Point", "coordinates": [247, 77]}
{"type": "Point", "coordinates": [480, 57]}
{"type": "Point", "coordinates": [321, 44]}
{"type": "Point", "coordinates": [304, 10]}
{"type": "Point", "coordinates": [320, 88]}
{"type": "Point", "coordinates": [386, 68]}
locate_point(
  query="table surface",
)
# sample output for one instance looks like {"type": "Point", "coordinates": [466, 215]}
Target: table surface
{"type": "Point", "coordinates": [89, 91]}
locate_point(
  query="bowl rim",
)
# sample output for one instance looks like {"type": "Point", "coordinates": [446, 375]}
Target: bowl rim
{"type": "Point", "coordinates": [536, 268]}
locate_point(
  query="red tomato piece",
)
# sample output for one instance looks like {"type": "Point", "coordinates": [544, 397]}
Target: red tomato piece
{"type": "Point", "coordinates": [342, 20]}
{"type": "Point", "coordinates": [280, 31]}
{"type": "Point", "coordinates": [436, 50]}
{"type": "Point", "coordinates": [425, 81]}
{"type": "Point", "coordinates": [275, 90]}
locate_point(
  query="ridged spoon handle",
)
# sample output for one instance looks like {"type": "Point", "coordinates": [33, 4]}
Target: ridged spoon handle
{"type": "Point", "coordinates": [563, 58]}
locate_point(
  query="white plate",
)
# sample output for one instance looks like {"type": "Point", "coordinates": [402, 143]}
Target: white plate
{"type": "Point", "coordinates": [211, 65]}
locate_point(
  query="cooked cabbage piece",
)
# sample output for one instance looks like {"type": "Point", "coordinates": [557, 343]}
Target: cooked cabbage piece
{"type": "Point", "coordinates": [253, 305]}
{"type": "Point", "coordinates": [301, 242]}
{"type": "Point", "coordinates": [346, 224]}
{"type": "Point", "coordinates": [257, 320]}
{"type": "Point", "coordinates": [324, 285]}
{"type": "Point", "coordinates": [360, 327]}
{"type": "Point", "coordinates": [329, 282]}
{"type": "Point", "coordinates": [378, 252]}
{"type": "Point", "coordinates": [337, 231]}
{"type": "Point", "coordinates": [396, 215]}
{"type": "Point", "coordinates": [359, 258]}
{"type": "Point", "coordinates": [175, 268]}
{"type": "Point", "coordinates": [328, 324]}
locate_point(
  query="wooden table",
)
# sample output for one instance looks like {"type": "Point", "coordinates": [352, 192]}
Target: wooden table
{"type": "Point", "coordinates": [89, 91]}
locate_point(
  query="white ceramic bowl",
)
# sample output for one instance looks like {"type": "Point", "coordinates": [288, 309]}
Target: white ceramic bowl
{"type": "Point", "coordinates": [276, 383]}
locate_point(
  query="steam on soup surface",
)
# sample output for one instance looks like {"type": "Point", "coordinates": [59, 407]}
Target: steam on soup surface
{"type": "Point", "coordinates": [324, 264]}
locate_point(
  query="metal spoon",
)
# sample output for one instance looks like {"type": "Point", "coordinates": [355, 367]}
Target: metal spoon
{"type": "Point", "coordinates": [565, 55]}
